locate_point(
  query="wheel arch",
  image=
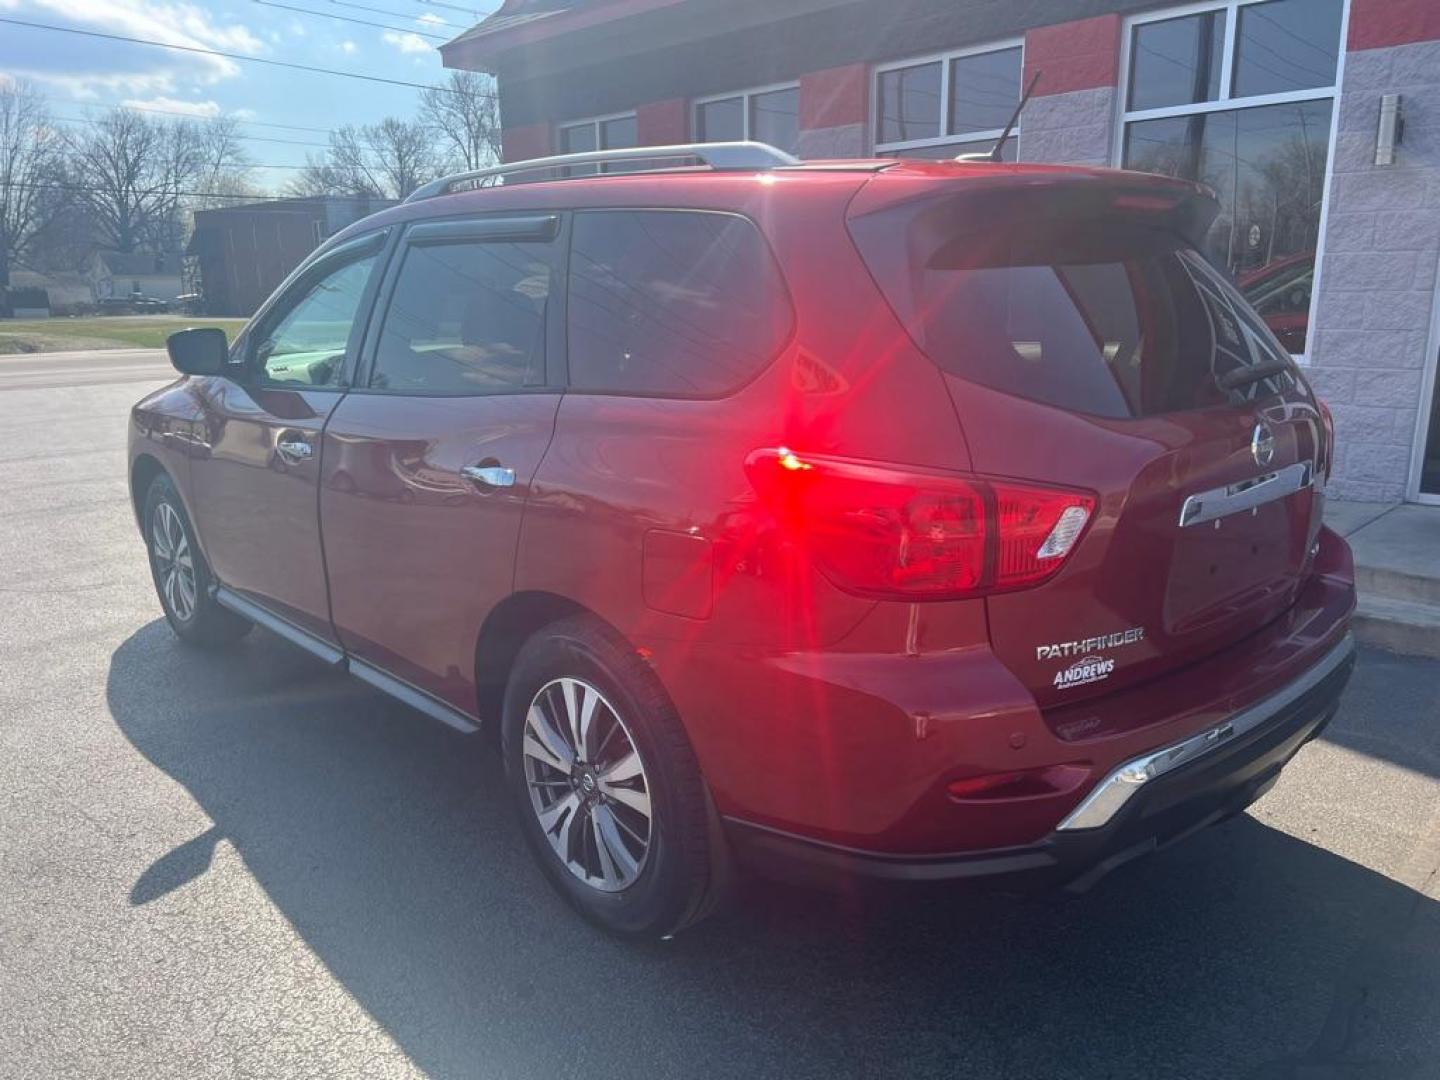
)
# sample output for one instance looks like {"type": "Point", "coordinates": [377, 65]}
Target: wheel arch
{"type": "Point", "coordinates": [143, 471]}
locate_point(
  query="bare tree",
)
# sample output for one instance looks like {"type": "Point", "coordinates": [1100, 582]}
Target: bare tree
{"type": "Point", "coordinates": [463, 113]}
{"type": "Point", "coordinates": [225, 167]}
{"type": "Point", "coordinates": [114, 159]}
{"type": "Point", "coordinates": [31, 192]}
{"type": "Point", "coordinates": [387, 160]}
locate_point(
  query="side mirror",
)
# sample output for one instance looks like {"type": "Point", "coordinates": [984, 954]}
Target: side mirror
{"type": "Point", "coordinates": [200, 351]}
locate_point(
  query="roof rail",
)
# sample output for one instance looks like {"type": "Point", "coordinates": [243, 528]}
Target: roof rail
{"type": "Point", "coordinates": [720, 156]}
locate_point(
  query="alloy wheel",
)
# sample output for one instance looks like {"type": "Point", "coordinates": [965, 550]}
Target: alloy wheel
{"type": "Point", "coordinates": [174, 561]}
{"type": "Point", "coordinates": [587, 784]}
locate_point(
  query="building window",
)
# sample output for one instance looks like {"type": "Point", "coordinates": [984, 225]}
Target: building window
{"type": "Point", "coordinates": [602, 133]}
{"type": "Point", "coordinates": [769, 115]}
{"type": "Point", "coordinates": [942, 106]}
{"type": "Point", "coordinates": [1239, 96]}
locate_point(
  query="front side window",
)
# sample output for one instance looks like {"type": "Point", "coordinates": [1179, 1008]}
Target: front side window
{"type": "Point", "coordinates": [465, 318]}
{"type": "Point", "coordinates": [1240, 98]}
{"type": "Point", "coordinates": [769, 116]}
{"type": "Point", "coordinates": [949, 105]}
{"type": "Point", "coordinates": [680, 303]}
{"type": "Point", "coordinates": [305, 344]}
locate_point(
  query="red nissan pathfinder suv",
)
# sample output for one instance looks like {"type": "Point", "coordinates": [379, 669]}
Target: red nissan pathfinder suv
{"type": "Point", "coordinates": [910, 520]}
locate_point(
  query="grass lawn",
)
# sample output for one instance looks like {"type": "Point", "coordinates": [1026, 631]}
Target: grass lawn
{"type": "Point", "coordinates": [100, 332]}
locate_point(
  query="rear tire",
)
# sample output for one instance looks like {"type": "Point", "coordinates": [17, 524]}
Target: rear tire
{"type": "Point", "coordinates": [182, 577]}
{"type": "Point", "coordinates": [622, 826]}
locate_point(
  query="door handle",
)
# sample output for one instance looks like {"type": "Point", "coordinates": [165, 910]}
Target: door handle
{"type": "Point", "coordinates": [294, 450]}
{"type": "Point", "coordinates": [489, 475]}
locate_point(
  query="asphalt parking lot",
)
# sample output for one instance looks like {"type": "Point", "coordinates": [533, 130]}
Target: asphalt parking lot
{"type": "Point", "coordinates": [246, 865]}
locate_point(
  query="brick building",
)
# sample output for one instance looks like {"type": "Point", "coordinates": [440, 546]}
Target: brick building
{"type": "Point", "coordinates": [1274, 103]}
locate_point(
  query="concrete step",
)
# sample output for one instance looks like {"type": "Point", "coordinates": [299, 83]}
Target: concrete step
{"type": "Point", "coordinates": [1411, 627]}
{"type": "Point", "coordinates": [1392, 584]}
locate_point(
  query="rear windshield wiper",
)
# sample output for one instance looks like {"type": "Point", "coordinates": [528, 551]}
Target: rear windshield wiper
{"type": "Point", "coordinates": [1233, 380]}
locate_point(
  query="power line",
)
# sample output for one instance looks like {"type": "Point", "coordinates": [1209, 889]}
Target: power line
{"type": "Point", "coordinates": [196, 116]}
{"type": "Point", "coordinates": [432, 20]}
{"type": "Point", "coordinates": [226, 55]}
{"type": "Point", "coordinates": [246, 138]}
{"type": "Point", "coordinates": [453, 7]}
{"type": "Point", "coordinates": [348, 19]}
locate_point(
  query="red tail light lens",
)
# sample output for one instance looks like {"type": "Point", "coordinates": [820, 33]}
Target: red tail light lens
{"type": "Point", "coordinates": [1024, 784]}
{"type": "Point", "coordinates": [890, 532]}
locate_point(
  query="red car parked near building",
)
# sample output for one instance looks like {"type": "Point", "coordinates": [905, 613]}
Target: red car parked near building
{"type": "Point", "coordinates": [904, 519]}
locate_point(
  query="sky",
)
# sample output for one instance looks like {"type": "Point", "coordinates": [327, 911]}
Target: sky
{"type": "Point", "coordinates": [281, 109]}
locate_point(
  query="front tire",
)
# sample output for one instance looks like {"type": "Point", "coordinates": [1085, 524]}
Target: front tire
{"type": "Point", "coordinates": [182, 577]}
{"type": "Point", "coordinates": [605, 783]}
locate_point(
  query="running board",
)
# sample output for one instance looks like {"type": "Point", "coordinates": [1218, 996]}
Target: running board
{"type": "Point", "coordinates": [386, 683]}
{"type": "Point", "coordinates": [276, 625]}
{"type": "Point", "coordinates": [416, 698]}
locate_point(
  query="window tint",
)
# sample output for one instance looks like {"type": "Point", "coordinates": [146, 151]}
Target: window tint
{"type": "Point", "coordinates": [619, 133]}
{"type": "Point", "coordinates": [1177, 61]}
{"type": "Point", "coordinates": [909, 103]}
{"type": "Point", "coordinates": [721, 121]}
{"type": "Point", "coordinates": [671, 302]}
{"type": "Point", "coordinates": [306, 344]}
{"type": "Point", "coordinates": [984, 90]}
{"type": "Point", "coordinates": [1286, 45]}
{"type": "Point", "coordinates": [1113, 320]}
{"type": "Point", "coordinates": [465, 318]}
{"type": "Point", "coordinates": [775, 118]}
{"type": "Point", "coordinates": [577, 139]}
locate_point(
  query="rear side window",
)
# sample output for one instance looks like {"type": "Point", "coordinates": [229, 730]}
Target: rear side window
{"type": "Point", "coordinates": [1111, 320]}
{"type": "Point", "coordinates": [465, 318]}
{"type": "Point", "coordinates": [671, 302]}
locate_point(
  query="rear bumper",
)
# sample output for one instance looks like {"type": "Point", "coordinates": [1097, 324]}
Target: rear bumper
{"type": "Point", "coordinates": [1142, 805]}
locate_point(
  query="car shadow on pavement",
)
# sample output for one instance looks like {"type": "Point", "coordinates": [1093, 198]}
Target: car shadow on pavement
{"type": "Point", "coordinates": [385, 841]}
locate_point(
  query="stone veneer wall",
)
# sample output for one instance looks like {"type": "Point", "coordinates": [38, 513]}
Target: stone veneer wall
{"type": "Point", "coordinates": [1378, 273]}
{"type": "Point", "coordinates": [1069, 129]}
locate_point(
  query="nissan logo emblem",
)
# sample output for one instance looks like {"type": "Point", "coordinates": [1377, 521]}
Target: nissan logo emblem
{"type": "Point", "coordinates": [1262, 445]}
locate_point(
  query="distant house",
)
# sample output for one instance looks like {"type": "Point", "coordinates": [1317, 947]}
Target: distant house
{"type": "Point", "coordinates": [117, 274]}
{"type": "Point", "coordinates": [243, 252]}
{"type": "Point", "coordinates": [67, 291]}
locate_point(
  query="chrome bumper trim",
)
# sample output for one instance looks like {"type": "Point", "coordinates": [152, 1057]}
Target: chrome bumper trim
{"type": "Point", "coordinates": [1125, 781]}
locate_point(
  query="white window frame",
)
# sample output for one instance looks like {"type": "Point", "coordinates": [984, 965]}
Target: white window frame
{"type": "Point", "coordinates": [593, 122]}
{"type": "Point", "coordinates": [1226, 103]}
{"type": "Point", "coordinates": [944, 59]}
{"type": "Point", "coordinates": [744, 96]}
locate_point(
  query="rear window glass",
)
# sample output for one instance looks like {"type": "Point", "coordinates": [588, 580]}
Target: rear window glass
{"type": "Point", "coordinates": [671, 302]}
{"type": "Point", "coordinates": [1112, 321]}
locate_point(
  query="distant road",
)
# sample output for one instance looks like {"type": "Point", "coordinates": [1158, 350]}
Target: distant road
{"type": "Point", "coordinates": [90, 367]}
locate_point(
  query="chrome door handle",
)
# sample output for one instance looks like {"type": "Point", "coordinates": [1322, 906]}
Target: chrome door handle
{"type": "Point", "coordinates": [294, 450]}
{"type": "Point", "coordinates": [489, 475]}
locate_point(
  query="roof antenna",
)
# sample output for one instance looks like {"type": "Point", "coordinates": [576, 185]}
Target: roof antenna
{"type": "Point", "coordinates": [1014, 119]}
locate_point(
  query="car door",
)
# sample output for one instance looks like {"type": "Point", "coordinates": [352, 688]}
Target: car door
{"type": "Point", "coordinates": [428, 461]}
{"type": "Point", "coordinates": [256, 479]}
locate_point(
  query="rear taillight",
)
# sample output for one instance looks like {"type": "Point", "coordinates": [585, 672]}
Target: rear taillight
{"type": "Point", "coordinates": [1328, 460]}
{"type": "Point", "coordinates": [896, 533]}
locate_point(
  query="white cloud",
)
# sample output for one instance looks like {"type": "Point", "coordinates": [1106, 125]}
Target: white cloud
{"type": "Point", "coordinates": [406, 43]}
{"type": "Point", "coordinates": [348, 47]}
{"type": "Point", "coordinates": [202, 109]}
{"type": "Point", "coordinates": [430, 19]}
{"type": "Point", "coordinates": [135, 70]}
